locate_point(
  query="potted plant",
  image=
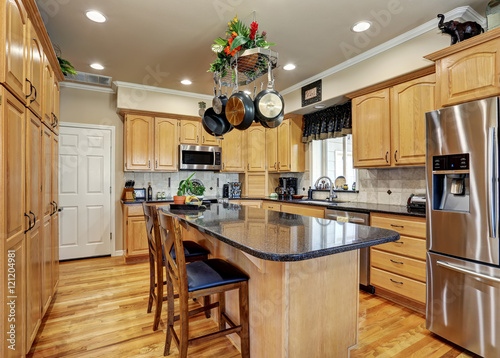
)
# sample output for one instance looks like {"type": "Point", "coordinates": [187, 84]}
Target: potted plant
{"type": "Point", "coordinates": [197, 189]}
{"type": "Point", "coordinates": [184, 186]}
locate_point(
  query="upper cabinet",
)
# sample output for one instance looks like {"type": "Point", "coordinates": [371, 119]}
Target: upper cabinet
{"type": "Point", "coordinates": [34, 72]}
{"type": "Point", "coordinates": [138, 142]}
{"type": "Point", "coordinates": [13, 59]}
{"type": "Point", "coordinates": [256, 148]}
{"type": "Point", "coordinates": [468, 70]}
{"type": "Point", "coordinates": [285, 151]}
{"type": "Point", "coordinates": [190, 132]}
{"type": "Point", "coordinates": [47, 85]}
{"type": "Point", "coordinates": [55, 106]}
{"type": "Point", "coordinates": [234, 152]}
{"type": "Point", "coordinates": [166, 148]}
{"type": "Point", "coordinates": [388, 124]}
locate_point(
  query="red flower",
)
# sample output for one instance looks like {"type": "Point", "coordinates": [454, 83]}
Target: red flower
{"type": "Point", "coordinates": [253, 29]}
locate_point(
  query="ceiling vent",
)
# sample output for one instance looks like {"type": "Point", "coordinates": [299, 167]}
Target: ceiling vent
{"type": "Point", "coordinates": [90, 79]}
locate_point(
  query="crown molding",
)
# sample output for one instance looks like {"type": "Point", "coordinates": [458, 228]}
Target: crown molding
{"type": "Point", "coordinates": [464, 12]}
{"type": "Point", "coordinates": [140, 87]}
{"type": "Point", "coordinates": [86, 87]}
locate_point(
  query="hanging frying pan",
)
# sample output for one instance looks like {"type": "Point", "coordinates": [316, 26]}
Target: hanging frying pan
{"type": "Point", "coordinates": [219, 102]}
{"type": "Point", "coordinates": [215, 124]}
{"type": "Point", "coordinates": [269, 104]}
{"type": "Point", "coordinates": [240, 111]}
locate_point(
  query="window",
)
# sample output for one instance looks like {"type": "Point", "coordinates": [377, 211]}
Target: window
{"type": "Point", "coordinates": [333, 158]}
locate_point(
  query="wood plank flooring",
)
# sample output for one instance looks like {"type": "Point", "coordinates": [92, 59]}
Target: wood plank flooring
{"type": "Point", "coordinates": [100, 311]}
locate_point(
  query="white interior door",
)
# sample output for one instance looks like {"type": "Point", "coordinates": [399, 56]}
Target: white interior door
{"type": "Point", "coordinates": [84, 192]}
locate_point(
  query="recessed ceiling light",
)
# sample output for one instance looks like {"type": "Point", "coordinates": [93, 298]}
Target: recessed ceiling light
{"type": "Point", "coordinates": [361, 26]}
{"type": "Point", "coordinates": [95, 16]}
{"type": "Point", "coordinates": [186, 82]}
{"type": "Point", "coordinates": [289, 67]}
{"type": "Point", "coordinates": [319, 106]}
{"type": "Point", "coordinates": [97, 66]}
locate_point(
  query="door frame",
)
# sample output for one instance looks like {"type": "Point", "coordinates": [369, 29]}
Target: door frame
{"type": "Point", "coordinates": [112, 214]}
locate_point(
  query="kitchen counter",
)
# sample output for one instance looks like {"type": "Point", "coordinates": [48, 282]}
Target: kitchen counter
{"type": "Point", "coordinates": [307, 237]}
{"type": "Point", "coordinates": [304, 281]}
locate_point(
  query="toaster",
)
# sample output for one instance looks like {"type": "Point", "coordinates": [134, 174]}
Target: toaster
{"type": "Point", "coordinates": [416, 202]}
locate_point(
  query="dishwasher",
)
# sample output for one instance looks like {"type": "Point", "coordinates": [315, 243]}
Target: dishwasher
{"type": "Point", "coordinates": [364, 253]}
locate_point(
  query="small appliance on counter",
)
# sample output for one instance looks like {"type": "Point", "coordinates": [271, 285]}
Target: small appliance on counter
{"type": "Point", "coordinates": [416, 203]}
{"type": "Point", "coordinates": [140, 194]}
{"type": "Point", "coordinates": [225, 191]}
{"type": "Point", "coordinates": [287, 188]}
{"type": "Point", "coordinates": [235, 189]}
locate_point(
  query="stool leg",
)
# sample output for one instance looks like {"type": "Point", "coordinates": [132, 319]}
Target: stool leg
{"type": "Point", "coordinates": [151, 282]}
{"type": "Point", "coordinates": [170, 317]}
{"type": "Point", "coordinates": [222, 308]}
{"type": "Point", "coordinates": [245, 329]}
{"type": "Point", "coordinates": [206, 302]}
{"type": "Point", "coordinates": [159, 295]}
{"type": "Point", "coordinates": [184, 326]}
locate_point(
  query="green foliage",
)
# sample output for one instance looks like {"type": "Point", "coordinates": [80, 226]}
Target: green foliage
{"type": "Point", "coordinates": [184, 186]}
{"type": "Point", "coordinates": [197, 190]}
{"type": "Point", "coordinates": [66, 67]}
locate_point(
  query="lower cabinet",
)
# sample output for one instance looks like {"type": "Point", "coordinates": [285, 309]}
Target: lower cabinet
{"type": "Point", "coordinates": [397, 269]}
{"type": "Point", "coordinates": [298, 209]}
{"type": "Point", "coordinates": [136, 238]}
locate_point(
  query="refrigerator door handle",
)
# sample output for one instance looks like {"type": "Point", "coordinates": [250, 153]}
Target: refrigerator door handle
{"type": "Point", "coordinates": [492, 182]}
{"type": "Point", "coordinates": [467, 272]}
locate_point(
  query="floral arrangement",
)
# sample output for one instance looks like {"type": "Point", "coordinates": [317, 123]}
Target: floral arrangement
{"type": "Point", "coordinates": [239, 37]}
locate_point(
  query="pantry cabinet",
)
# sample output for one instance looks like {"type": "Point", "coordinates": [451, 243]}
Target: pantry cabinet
{"type": "Point", "coordinates": [388, 124]}
{"type": "Point", "coordinates": [285, 151]}
{"type": "Point", "coordinates": [398, 269]}
{"type": "Point", "coordinates": [34, 72]}
{"type": "Point", "coordinates": [47, 101]}
{"type": "Point", "coordinates": [468, 70]}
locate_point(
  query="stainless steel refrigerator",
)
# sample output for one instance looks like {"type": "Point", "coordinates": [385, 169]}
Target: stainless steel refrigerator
{"type": "Point", "coordinates": [463, 268]}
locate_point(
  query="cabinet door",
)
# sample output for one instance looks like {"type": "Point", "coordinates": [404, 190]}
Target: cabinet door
{"type": "Point", "coordinates": [166, 145]}
{"type": "Point", "coordinates": [409, 102]}
{"type": "Point", "coordinates": [272, 149]}
{"type": "Point", "coordinates": [13, 71]}
{"type": "Point", "coordinates": [55, 216]}
{"type": "Point", "coordinates": [34, 236]}
{"type": "Point", "coordinates": [234, 152]}
{"type": "Point", "coordinates": [55, 251]}
{"type": "Point", "coordinates": [371, 130]}
{"type": "Point", "coordinates": [46, 263]}
{"type": "Point", "coordinates": [47, 207]}
{"type": "Point", "coordinates": [256, 156]}
{"type": "Point", "coordinates": [35, 66]}
{"type": "Point", "coordinates": [138, 142]}
{"type": "Point", "coordinates": [48, 83]}
{"type": "Point", "coordinates": [137, 239]}
{"type": "Point", "coordinates": [208, 139]}
{"type": "Point", "coordinates": [55, 105]}
{"type": "Point", "coordinates": [284, 147]}
{"type": "Point", "coordinates": [469, 74]}
{"type": "Point", "coordinates": [190, 132]}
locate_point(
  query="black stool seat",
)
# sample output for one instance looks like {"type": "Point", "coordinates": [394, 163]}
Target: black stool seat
{"type": "Point", "coordinates": [212, 273]}
{"type": "Point", "coordinates": [191, 249]}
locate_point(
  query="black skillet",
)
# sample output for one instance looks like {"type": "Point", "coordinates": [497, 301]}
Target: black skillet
{"type": "Point", "coordinates": [215, 124]}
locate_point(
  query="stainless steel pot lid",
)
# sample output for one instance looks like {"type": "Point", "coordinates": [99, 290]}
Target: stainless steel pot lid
{"type": "Point", "coordinates": [270, 105]}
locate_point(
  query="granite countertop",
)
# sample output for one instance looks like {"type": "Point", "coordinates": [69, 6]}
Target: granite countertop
{"type": "Point", "coordinates": [277, 236]}
{"type": "Point", "coordinates": [347, 206]}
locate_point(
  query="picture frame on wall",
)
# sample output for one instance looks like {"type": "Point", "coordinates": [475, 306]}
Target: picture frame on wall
{"type": "Point", "coordinates": [311, 93]}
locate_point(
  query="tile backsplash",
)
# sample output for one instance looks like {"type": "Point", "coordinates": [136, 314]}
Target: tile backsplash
{"type": "Point", "coordinates": [159, 181]}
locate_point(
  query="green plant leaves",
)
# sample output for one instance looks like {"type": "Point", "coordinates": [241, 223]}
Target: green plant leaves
{"type": "Point", "coordinates": [239, 41]}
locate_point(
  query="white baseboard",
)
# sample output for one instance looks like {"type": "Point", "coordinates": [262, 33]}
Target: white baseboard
{"type": "Point", "coordinates": [118, 253]}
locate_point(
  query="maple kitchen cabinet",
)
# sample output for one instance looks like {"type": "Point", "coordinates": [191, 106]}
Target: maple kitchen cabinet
{"type": "Point", "coordinates": [135, 236]}
{"type": "Point", "coordinates": [34, 71]}
{"type": "Point", "coordinates": [192, 132]}
{"type": "Point", "coordinates": [166, 147]}
{"type": "Point", "coordinates": [468, 70]}
{"type": "Point", "coordinates": [234, 152]}
{"type": "Point", "coordinates": [138, 142]}
{"type": "Point", "coordinates": [388, 123]}
{"type": "Point", "coordinates": [256, 151]}
{"type": "Point", "coordinates": [285, 151]}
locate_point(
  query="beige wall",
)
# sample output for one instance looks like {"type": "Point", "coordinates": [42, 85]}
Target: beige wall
{"type": "Point", "coordinates": [90, 107]}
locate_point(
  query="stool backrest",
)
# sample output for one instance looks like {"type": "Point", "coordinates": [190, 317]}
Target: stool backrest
{"type": "Point", "coordinates": [153, 231]}
{"type": "Point", "coordinates": [171, 234]}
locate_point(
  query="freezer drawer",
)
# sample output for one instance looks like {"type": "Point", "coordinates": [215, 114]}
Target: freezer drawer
{"type": "Point", "coordinates": [463, 303]}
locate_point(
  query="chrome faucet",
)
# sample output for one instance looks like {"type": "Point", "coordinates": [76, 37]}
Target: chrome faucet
{"type": "Point", "coordinates": [333, 195]}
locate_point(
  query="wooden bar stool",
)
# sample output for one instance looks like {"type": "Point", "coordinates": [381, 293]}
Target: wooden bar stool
{"type": "Point", "coordinates": [193, 252]}
{"type": "Point", "coordinates": [200, 278]}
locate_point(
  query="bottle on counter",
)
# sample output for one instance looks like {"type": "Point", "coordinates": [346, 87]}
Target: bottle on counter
{"type": "Point", "coordinates": [150, 192]}
{"type": "Point", "coordinates": [310, 194]}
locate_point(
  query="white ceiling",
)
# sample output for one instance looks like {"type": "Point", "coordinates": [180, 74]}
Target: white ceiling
{"type": "Point", "coordinates": [161, 42]}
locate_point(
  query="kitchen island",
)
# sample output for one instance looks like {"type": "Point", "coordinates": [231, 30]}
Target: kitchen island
{"type": "Point", "coordinates": [303, 288]}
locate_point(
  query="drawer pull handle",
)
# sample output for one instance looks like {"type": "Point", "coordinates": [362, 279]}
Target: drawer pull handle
{"type": "Point", "coordinates": [398, 282]}
{"type": "Point", "coordinates": [397, 262]}
{"type": "Point", "coordinates": [401, 226]}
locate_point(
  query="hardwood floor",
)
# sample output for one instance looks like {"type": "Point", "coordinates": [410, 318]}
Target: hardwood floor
{"type": "Point", "coordinates": [100, 311]}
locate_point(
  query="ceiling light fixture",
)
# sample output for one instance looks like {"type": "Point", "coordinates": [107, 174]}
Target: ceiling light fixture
{"type": "Point", "coordinates": [97, 66]}
{"type": "Point", "coordinates": [361, 26]}
{"type": "Point", "coordinates": [289, 67]}
{"type": "Point", "coordinates": [186, 82]}
{"type": "Point", "coordinates": [95, 16]}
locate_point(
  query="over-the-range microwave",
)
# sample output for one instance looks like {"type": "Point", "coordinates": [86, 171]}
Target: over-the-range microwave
{"type": "Point", "coordinates": [198, 157]}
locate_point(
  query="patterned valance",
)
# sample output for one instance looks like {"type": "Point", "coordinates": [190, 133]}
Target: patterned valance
{"type": "Point", "coordinates": [330, 122]}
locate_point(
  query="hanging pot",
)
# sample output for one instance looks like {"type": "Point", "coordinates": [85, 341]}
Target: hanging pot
{"type": "Point", "coordinates": [269, 105]}
{"type": "Point", "coordinates": [219, 102]}
{"type": "Point", "coordinates": [215, 124]}
{"type": "Point", "coordinates": [240, 111]}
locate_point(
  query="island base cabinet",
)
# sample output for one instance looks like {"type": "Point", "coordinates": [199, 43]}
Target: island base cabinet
{"type": "Point", "coordinates": [297, 309]}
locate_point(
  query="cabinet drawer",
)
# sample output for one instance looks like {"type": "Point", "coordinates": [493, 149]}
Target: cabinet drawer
{"type": "Point", "coordinates": [305, 210]}
{"type": "Point", "coordinates": [407, 246]}
{"type": "Point", "coordinates": [403, 224]}
{"type": "Point", "coordinates": [269, 206]}
{"type": "Point", "coordinates": [134, 210]}
{"type": "Point", "coordinates": [403, 286]}
{"type": "Point", "coordinates": [401, 265]}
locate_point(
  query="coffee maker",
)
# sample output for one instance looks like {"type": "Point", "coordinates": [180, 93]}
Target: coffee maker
{"type": "Point", "coordinates": [287, 188]}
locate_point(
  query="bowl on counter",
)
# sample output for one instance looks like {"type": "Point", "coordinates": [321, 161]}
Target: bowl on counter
{"type": "Point", "coordinates": [297, 197]}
